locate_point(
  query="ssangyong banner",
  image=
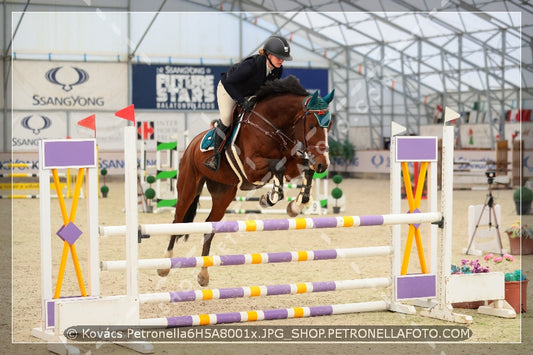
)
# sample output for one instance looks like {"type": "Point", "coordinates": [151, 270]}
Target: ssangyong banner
{"type": "Point", "coordinates": [193, 87]}
{"type": "Point", "coordinates": [176, 87]}
{"type": "Point", "coordinates": [69, 85]}
{"type": "Point", "coordinates": [30, 127]}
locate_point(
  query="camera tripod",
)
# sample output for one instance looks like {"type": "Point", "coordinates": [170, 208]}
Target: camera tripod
{"type": "Point", "coordinates": [489, 202]}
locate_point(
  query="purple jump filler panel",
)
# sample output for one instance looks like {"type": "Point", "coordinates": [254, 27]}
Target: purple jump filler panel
{"type": "Point", "coordinates": [68, 153]}
{"type": "Point", "coordinates": [416, 286]}
{"type": "Point", "coordinates": [69, 233]}
{"type": "Point", "coordinates": [410, 149]}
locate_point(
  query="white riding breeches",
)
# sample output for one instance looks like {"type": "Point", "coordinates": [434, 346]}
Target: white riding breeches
{"type": "Point", "coordinates": [225, 104]}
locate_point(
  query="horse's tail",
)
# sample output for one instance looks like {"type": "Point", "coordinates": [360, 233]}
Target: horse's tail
{"type": "Point", "coordinates": [191, 213]}
{"type": "Point", "coordinates": [189, 217]}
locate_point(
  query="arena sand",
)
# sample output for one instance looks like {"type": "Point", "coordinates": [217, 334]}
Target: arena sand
{"type": "Point", "coordinates": [363, 197]}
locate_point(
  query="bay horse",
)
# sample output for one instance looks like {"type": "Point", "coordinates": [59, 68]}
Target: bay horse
{"type": "Point", "coordinates": [285, 135]}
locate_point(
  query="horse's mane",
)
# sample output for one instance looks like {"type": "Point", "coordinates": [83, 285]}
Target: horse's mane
{"type": "Point", "coordinates": [288, 85]}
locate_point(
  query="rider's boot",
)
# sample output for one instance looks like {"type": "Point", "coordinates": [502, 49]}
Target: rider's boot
{"type": "Point", "coordinates": [213, 163]}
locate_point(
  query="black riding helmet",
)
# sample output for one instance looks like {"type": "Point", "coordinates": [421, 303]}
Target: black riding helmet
{"type": "Point", "coordinates": [279, 47]}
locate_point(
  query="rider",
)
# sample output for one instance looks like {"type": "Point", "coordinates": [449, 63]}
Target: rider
{"type": "Point", "coordinates": [242, 80]}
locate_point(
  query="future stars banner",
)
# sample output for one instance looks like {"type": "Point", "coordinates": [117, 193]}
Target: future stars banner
{"type": "Point", "coordinates": [193, 87]}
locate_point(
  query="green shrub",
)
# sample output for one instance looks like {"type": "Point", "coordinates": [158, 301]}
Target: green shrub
{"type": "Point", "coordinates": [523, 194]}
{"type": "Point", "coordinates": [150, 179]}
{"type": "Point", "coordinates": [149, 193]}
{"type": "Point", "coordinates": [336, 193]}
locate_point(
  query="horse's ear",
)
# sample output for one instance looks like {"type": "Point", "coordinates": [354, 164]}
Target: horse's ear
{"type": "Point", "coordinates": [329, 97]}
{"type": "Point", "coordinates": [313, 100]}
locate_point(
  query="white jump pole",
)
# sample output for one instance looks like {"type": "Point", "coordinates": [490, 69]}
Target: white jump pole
{"type": "Point", "coordinates": [249, 259]}
{"type": "Point", "coordinates": [291, 224]}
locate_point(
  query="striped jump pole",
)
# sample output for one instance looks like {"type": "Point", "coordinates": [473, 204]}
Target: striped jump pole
{"type": "Point", "coordinates": [274, 224]}
{"type": "Point", "coordinates": [24, 186]}
{"type": "Point", "coordinates": [288, 224]}
{"type": "Point", "coordinates": [269, 290]}
{"type": "Point", "coordinates": [20, 197]}
{"type": "Point", "coordinates": [247, 211]}
{"type": "Point", "coordinates": [271, 314]}
{"type": "Point", "coordinates": [18, 175]}
{"type": "Point", "coordinates": [249, 259]}
{"type": "Point", "coordinates": [19, 165]}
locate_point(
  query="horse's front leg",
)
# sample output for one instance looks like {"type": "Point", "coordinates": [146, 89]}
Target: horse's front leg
{"type": "Point", "coordinates": [203, 275]}
{"type": "Point", "coordinates": [276, 194]}
{"type": "Point", "coordinates": [304, 196]}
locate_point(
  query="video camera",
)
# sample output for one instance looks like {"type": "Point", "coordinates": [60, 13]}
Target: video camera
{"type": "Point", "coordinates": [490, 176]}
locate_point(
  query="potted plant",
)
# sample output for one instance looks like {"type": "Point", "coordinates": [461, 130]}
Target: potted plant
{"type": "Point", "coordinates": [104, 189]}
{"type": "Point", "coordinates": [516, 290]}
{"type": "Point", "coordinates": [336, 193]}
{"type": "Point", "coordinates": [523, 197]}
{"type": "Point", "coordinates": [520, 235]}
{"type": "Point", "coordinates": [149, 193]}
{"type": "Point", "coordinates": [475, 267]}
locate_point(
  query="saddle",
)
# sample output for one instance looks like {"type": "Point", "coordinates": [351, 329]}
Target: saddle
{"type": "Point", "coordinates": [230, 149]}
{"type": "Point", "coordinates": [208, 142]}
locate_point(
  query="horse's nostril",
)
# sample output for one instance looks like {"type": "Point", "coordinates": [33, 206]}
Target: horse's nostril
{"type": "Point", "coordinates": [320, 168]}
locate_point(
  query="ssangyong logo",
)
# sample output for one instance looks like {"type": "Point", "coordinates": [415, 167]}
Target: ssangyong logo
{"type": "Point", "coordinates": [65, 79]}
{"type": "Point", "coordinates": [36, 123]}
{"type": "Point", "coordinates": [68, 78]}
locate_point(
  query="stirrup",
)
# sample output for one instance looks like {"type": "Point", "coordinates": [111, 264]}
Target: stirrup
{"type": "Point", "coordinates": [213, 162]}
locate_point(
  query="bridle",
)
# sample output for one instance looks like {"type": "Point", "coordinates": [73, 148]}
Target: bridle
{"type": "Point", "coordinates": [280, 136]}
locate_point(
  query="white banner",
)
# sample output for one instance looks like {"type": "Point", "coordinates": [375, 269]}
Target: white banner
{"type": "Point", "coordinates": [69, 85]}
{"type": "Point", "coordinates": [109, 129]}
{"type": "Point", "coordinates": [371, 161]}
{"type": "Point", "coordinates": [477, 136]}
{"type": "Point", "coordinates": [29, 127]}
{"type": "Point", "coordinates": [171, 127]}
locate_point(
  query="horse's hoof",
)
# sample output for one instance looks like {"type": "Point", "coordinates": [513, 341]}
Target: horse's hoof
{"type": "Point", "coordinates": [163, 272]}
{"type": "Point", "coordinates": [203, 279]}
{"type": "Point", "coordinates": [263, 202]}
{"type": "Point", "coordinates": [292, 209]}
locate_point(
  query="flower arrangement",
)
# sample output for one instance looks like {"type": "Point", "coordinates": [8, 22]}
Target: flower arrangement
{"type": "Point", "coordinates": [475, 267]}
{"type": "Point", "coordinates": [516, 230]}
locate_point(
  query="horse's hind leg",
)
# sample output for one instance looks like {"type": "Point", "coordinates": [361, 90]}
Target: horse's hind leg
{"type": "Point", "coordinates": [189, 187]}
{"type": "Point", "coordinates": [189, 217]}
{"type": "Point", "coordinates": [221, 195]}
{"type": "Point", "coordinates": [203, 275]}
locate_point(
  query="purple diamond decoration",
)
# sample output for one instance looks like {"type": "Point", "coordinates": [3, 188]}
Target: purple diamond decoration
{"type": "Point", "coordinates": [69, 233]}
{"type": "Point", "coordinates": [416, 225]}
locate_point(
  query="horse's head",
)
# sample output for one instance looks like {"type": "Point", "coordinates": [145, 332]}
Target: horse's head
{"type": "Point", "coordinates": [317, 121]}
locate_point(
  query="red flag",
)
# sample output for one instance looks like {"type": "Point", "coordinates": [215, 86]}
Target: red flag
{"type": "Point", "coordinates": [89, 122]}
{"type": "Point", "coordinates": [127, 113]}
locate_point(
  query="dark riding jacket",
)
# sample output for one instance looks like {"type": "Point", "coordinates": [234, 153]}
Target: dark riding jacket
{"type": "Point", "coordinates": [244, 79]}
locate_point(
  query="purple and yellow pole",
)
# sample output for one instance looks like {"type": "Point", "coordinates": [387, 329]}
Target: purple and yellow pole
{"type": "Point", "coordinates": [66, 245]}
{"type": "Point", "coordinates": [414, 204]}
